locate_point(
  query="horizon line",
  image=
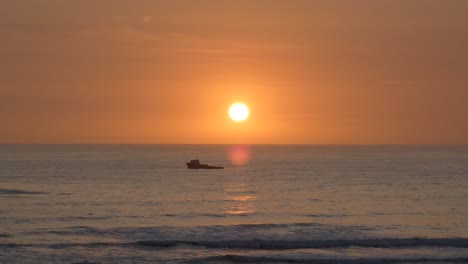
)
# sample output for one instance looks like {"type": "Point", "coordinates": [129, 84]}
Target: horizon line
{"type": "Point", "coordinates": [227, 144]}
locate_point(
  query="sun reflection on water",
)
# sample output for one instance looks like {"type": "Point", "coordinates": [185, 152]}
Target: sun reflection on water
{"type": "Point", "coordinates": [239, 154]}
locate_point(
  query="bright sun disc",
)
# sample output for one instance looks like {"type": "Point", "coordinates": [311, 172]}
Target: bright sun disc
{"type": "Point", "coordinates": [238, 112]}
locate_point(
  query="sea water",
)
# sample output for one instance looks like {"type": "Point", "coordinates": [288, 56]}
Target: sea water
{"type": "Point", "coordinates": [271, 204]}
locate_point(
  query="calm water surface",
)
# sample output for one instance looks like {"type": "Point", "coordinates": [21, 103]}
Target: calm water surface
{"type": "Point", "coordinates": [271, 204]}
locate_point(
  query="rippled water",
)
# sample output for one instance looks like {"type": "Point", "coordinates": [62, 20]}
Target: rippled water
{"type": "Point", "coordinates": [280, 204]}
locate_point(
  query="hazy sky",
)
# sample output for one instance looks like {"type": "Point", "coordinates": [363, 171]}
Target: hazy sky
{"type": "Point", "coordinates": [317, 72]}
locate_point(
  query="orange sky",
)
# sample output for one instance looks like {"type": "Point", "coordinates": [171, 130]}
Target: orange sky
{"type": "Point", "coordinates": [312, 72]}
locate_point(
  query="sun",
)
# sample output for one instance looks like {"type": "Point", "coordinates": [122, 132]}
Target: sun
{"type": "Point", "coordinates": [239, 112]}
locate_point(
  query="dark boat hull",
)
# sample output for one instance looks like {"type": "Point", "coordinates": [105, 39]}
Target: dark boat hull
{"type": "Point", "coordinates": [203, 166]}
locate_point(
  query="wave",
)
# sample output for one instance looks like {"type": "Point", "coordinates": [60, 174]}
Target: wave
{"type": "Point", "coordinates": [16, 191]}
{"type": "Point", "coordinates": [273, 244]}
{"type": "Point", "coordinates": [268, 226]}
{"type": "Point", "coordinates": [236, 229]}
{"type": "Point", "coordinates": [194, 215]}
{"type": "Point", "coordinates": [304, 244]}
{"type": "Point", "coordinates": [255, 259]}
{"type": "Point", "coordinates": [63, 219]}
{"type": "Point", "coordinates": [326, 215]}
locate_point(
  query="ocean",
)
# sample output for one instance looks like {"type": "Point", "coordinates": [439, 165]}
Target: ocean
{"type": "Point", "coordinates": [271, 204]}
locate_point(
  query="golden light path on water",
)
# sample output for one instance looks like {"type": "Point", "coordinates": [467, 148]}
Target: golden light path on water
{"type": "Point", "coordinates": [239, 200]}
